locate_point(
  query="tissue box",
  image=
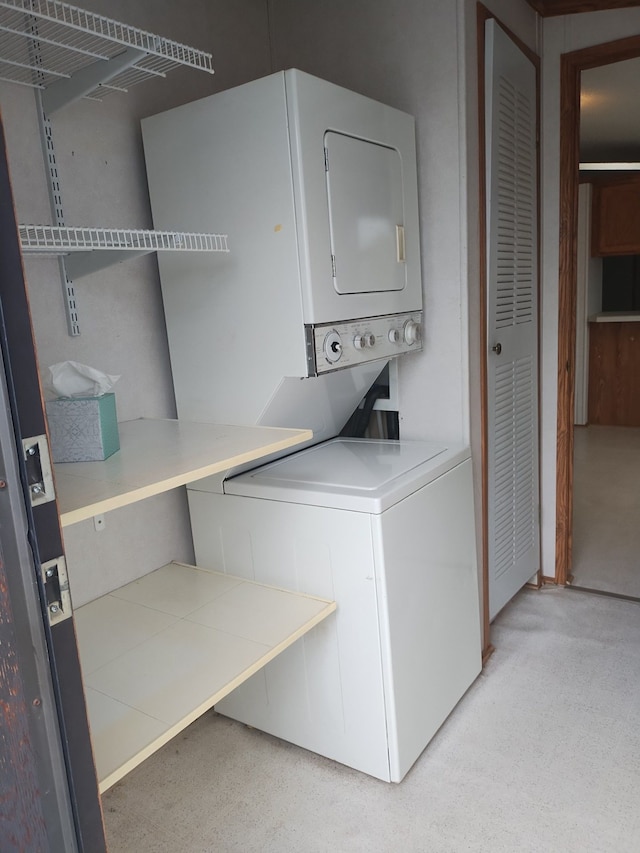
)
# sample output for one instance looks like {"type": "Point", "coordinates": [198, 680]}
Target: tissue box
{"type": "Point", "coordinates": [83, 429]}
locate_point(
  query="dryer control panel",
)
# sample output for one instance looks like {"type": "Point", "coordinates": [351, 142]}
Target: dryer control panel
{"type": "Point", "coordinates": [333, 346]}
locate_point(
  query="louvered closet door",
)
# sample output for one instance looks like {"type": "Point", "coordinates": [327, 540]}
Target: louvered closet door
{"type": "Point", "coordinates": [512, 316]}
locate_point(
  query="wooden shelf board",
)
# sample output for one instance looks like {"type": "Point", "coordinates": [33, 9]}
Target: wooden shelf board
{"type": "Point", "coordinates": [158, 455]}
{"type": "Point", "coordinates": [159, 652]}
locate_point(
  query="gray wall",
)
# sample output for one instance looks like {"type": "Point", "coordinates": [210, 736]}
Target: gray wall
{"type": "Point", "coordinates": [406, 54]}
{"type": "Point", "coordinates": [99, 151]}
{"type": "Point", "coordinates": [421, 57]}
{"type": "Point", "coordinates": [417, 56]}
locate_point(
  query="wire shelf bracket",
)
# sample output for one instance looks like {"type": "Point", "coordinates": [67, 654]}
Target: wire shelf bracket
{"type": "Point", "coordinates": [81, 54]}
{"type": "Point", "coordinates": [86, 80]}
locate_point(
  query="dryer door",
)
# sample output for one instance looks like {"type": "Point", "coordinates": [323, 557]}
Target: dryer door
{"type": "Point", "coordinates": [366, 215]}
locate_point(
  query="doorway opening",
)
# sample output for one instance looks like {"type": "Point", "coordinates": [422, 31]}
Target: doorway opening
{"type": "Point", "coordinates": [569, 475]}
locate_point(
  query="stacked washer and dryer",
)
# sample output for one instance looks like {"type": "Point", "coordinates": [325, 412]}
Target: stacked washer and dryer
{"type": "Point", "coordinates": [316, 187]}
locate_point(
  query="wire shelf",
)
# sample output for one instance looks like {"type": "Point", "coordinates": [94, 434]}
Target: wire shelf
{"type": "Point", "coordinates": [57, 240]}
{"type": "Point", "coordinates": [42, 41]}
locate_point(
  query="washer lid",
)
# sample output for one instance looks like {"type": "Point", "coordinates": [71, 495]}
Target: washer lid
{"type": "Point", "coordinates": [362, 475]}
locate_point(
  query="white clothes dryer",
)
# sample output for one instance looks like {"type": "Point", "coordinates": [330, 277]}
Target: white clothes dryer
{"type": "Point", "coordinates": [386, 529]}
{"type": "Point", "coordinates": [316, 187]}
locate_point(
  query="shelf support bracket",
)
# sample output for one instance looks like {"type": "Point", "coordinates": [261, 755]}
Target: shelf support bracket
{"type": "Point", "coordinates": [79, 264]}
{"type": "Point", "coordinates": [55, 199]}
{"type": "Point", "coordinates": [85, 80]}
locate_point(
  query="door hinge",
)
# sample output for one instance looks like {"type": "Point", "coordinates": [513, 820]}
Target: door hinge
{"type": "Point", "coordinates": [38, 464]}
{"type": "Point", "coordinates": [56, 587]}
{"type": "Point", "coordinates": [333, 266]}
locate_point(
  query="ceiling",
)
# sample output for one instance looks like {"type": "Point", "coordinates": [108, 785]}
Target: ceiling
{"type": "Point", "coordinates": [610, 94]}
{"type": "Point", "coordinates": [610, 113]}
{"type": "Point", "coordinates": [548, 8]}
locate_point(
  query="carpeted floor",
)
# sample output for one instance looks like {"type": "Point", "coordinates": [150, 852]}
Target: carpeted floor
{"type": "Point", "coordinates": [542, 754]}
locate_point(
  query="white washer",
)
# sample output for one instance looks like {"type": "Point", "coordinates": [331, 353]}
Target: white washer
{"type": "Point", "coordinates": [386, 529]}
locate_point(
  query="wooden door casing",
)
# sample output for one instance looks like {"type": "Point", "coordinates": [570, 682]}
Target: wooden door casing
{"type": "Point", "coordinates": [571, 65]}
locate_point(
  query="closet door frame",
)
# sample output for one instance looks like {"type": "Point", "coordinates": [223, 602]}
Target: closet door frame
{"type": "Point", "coordinates": [484, 14]}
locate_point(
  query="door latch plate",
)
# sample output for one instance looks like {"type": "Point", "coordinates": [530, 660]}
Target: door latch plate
{"type": "Point", "coordinates": [39, 474]}
{"type": "Point", "coordinates": [56, 586]}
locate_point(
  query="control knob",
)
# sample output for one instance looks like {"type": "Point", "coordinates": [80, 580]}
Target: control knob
{"type": "Point", "coordinates": [394, 336]}
{"type": "Point", "coordinates": [412, 332]}
{"type": "Point", "coordinates": [332, 346]}
{"type": "Point", "coordinates": [364, 341]}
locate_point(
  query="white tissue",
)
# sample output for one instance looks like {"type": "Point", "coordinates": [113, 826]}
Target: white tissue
{"type": "Point", "coordinates": [72, 379]}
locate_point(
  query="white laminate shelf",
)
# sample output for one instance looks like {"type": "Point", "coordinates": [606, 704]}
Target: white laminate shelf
{"type": "Point", "coordinates": [158, 455]}
{"type": "Point", "coordinates": [62, 240]}
{"type": "Point", "coordinates": [88, 250]}
{"type": "Point", "coordinates": [159, 652]}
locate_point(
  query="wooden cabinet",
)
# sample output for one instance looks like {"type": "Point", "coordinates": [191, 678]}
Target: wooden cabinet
{"type": "Point", "coordinates": [614, 373]}
{"type": "Point", "coordinates": [615, 222]}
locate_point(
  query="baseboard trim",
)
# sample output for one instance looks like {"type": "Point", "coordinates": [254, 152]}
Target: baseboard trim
{"type": "Point", "coordinates": [605, 592]}
{"type": "Point", "coordinates": [486, 654]}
